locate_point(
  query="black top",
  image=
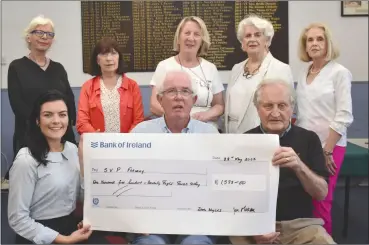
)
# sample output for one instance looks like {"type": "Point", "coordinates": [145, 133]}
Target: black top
{"type": "Point", "coordinates": [26, 82]}
{"type": "Point", "coordinates": [293, 201]}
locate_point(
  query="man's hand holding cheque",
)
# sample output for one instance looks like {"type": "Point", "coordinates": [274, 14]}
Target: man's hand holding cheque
{"type": "Point", "coordinates": [303, 175]}
{"type": "Point", "coordinates": [286, 157]}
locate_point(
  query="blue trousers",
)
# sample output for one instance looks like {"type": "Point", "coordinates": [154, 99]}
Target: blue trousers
{"type": "Point", "coordinates": [181, 239]}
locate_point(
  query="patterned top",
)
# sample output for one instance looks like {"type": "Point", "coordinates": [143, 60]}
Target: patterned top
{"type": "Point", "coordinates": [110, 101]}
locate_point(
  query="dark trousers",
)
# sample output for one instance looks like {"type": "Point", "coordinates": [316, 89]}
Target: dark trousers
{"type": "Point", "coordinates": [64, 225]}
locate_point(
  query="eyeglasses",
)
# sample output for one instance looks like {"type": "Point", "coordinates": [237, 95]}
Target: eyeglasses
{"type": "Point", "coordinates": [39, 33]}
{"type": "Point", "coordinates": [174, 92]}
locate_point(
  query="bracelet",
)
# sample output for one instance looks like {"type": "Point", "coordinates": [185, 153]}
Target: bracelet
{"type": "Point", "coordinates": [328, 153]}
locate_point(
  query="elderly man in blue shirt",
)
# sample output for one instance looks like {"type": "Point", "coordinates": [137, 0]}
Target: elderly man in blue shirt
{"type": "Point", "coordinates": [177, 95]}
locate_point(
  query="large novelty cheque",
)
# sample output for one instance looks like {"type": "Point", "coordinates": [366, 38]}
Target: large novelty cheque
{"type": "Point", "coordinates": [213, 184]}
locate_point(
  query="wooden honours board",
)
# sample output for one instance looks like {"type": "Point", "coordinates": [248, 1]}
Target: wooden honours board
{"type": "Point", "coordinates": [145, 29]}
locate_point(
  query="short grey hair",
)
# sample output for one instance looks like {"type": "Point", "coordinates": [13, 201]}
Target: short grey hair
{"type": "Point", "coordinates": [291, 90]}
{"type": "Point", "coordinates": [38, 20]}
{"type": "Point", "coordinates": [160, 86]}
{"type": "Point", "coordinates": [262, 24]}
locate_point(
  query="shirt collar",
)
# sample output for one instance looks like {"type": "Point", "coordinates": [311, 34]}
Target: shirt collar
{"type": "Point", "coordinates": [163, 125]}
{"type": "Point", "coordinates": [59, 156]}
{"type": "Point", "coordinates": [280, 136]}
{"type": "Point", "coordinates": [96, 82]}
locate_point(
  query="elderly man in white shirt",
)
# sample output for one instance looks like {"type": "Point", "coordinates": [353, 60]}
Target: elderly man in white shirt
{"type": "Point", "coordinates": [324, 104]}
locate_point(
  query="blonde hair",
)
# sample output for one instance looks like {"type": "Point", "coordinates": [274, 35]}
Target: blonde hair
{"type": "Point", "coordinates": [38, 20]}
{"type": "Point", "coordinates": [332, 50]}
{"type": "Point", "coordinates": [205, 45]}
{"type": "Point", "coordinates": [262, 24]}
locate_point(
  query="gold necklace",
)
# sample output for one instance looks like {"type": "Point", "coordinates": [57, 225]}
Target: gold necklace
{"type": "Point", "coordinates": [34, 60]}
{"type": "Point", "coordinates": [314, 72]}
{"type": "Point", "coordinates": [203, 81]}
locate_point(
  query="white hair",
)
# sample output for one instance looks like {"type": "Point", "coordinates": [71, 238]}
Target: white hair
{"type": "Point", "coordinates": [38, 20]}
{"type": "Point", "coordinates": [289, 87]}
{"type": "Point", "coordinates": [175, 73]}
{"type": "Point", "coordinates": [262, 24]}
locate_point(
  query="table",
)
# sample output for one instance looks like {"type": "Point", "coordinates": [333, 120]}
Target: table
{"type": "Point", "coordinates": [359, 142]}
{"type": "Point", "coordinates": [355, 164]}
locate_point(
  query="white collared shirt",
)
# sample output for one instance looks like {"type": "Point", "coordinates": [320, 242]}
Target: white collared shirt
{"type": "Point", "coordinates": [326, 102]}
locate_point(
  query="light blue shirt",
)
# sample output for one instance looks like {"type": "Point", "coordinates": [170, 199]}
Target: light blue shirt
{"type": "Point", "coordinates": [158, 125]}
{"type": "Point", "coordinates": [38, 192]}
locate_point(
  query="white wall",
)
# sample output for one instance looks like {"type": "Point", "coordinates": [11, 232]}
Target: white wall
{"type": "Point", "coordinates": [351, 34]}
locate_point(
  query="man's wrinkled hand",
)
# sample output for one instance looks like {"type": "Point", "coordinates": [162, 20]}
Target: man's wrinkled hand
{"type": "Point", "coordinates": [286, 157]}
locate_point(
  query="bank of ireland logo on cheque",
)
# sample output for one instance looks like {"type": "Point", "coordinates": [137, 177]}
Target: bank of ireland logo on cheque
{"type": "Point", "coordinates": [95, 201]}
{"type": "Point", "coordinates": [94, 144]}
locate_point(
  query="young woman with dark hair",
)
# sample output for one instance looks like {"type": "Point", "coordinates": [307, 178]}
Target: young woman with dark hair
{"type": "Point", "coordinates": [45, 179]}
